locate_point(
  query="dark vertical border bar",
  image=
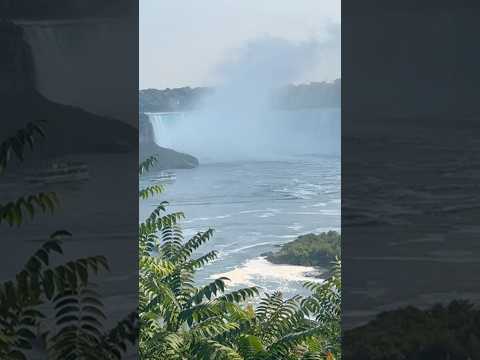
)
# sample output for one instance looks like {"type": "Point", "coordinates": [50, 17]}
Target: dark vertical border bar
{"type": "Point", "coordinates": [69, 178]}
{"type": "Point", "coordinates": [410, 190]}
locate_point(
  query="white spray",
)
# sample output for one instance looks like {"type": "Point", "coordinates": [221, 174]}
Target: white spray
{"type": "Point", "coordinates": [237, 121]}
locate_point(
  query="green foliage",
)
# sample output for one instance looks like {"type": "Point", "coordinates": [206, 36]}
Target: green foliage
{"type": "Point", "coordinates": [16, 144]}
{"type": "Point", "coordinates": [147, 164]}
{"type": "Point", "coordinates": [309, 250]}
{"type": "Point", "coordinates": [150, 191]}
{"type": "Point", "coordinates": [325, 305]}
{"type": "Point", "coordinates": [43, 285]}
{"type": "Point", "coordinates": [295, 328]}
{"type": "Point", "coordinates": [14, 212]}
{"type": "Point", "coordinates": [181, 320]}
{"type": "Point", "coordinates": [80, 332]}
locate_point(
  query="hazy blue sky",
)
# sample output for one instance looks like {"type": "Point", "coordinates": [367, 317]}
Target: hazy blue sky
{"type": "Point", "coordinates": [182, 42]}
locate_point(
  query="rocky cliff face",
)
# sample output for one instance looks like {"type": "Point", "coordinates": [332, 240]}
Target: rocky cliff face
{"type": "Point", "coordinates": [167, 158]}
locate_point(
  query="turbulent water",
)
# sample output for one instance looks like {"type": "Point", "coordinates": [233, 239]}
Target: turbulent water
{"type": "Point", "coordinates": [253, 207]}
{"type": "Point", "coordinates": [255, 186]}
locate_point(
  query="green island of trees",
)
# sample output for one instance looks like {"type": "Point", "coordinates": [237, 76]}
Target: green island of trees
{"type": "Point", "coordinates": [308, 250]}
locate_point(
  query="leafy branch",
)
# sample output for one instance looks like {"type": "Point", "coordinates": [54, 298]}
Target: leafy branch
{"type": "Point", "coordinates": [16, 144]}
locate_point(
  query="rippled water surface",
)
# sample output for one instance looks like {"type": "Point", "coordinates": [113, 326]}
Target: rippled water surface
{"type": "Point", "coordinates": [253, 207]}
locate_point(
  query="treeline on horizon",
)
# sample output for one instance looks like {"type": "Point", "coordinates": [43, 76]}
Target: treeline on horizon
{"type": "Point", "coordinates": [291, 97]}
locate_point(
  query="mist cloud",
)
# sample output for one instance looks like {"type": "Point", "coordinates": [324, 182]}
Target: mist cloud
{"type": "Point", "coordinates": [237, 122]}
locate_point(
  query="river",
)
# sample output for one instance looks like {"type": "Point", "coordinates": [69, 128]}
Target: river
{"type": "Point", "coordinates": [254, 205]}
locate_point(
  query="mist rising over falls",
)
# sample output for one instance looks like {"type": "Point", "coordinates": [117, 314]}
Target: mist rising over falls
{"type": "Point", "coordinates": [269, 135]}
{"type": "Point", "coordinates": [238, 122]}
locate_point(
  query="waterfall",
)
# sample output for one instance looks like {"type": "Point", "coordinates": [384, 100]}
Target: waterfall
{"type": "Point", "coordinates": [235, 135]}
{"type": "Point", "coordinates": [78, 62]}
{"type": "Point", "coordinates": [162, 128]}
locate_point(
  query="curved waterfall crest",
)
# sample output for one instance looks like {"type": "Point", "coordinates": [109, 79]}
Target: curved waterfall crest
{"type": "Point", "coordinates": [162, 124]}
{"type": "Point", "coordinates": [236, 135]}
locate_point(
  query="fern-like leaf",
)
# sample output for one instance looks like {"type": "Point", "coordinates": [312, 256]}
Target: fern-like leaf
{"type": "Point", "coordinates": [16, 144]}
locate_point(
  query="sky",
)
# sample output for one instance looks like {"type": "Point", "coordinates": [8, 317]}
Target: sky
{"type": "Point", "coordinates": [185, 42]}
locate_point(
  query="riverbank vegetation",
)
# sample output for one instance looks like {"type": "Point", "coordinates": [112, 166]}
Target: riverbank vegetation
{"type": "Point", "coordinates": [309, 250]}
{"type": "Point", "coordinates": [180, 319]}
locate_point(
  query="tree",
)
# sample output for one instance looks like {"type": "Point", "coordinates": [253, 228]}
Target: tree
{"type": "Point", "coordinates": [179, 320]}
{"type": "Point", "coordinates": [295, 328]}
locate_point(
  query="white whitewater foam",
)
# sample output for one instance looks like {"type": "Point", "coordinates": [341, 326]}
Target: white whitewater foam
{"type": "Point", "coordinates": [266, 215]}
{"type": "Point", "coordinates": [259, 210]}
{"type": "Point", "coordinates": [258, 269]}
{"type": "Point", "coordinates": [196, 219]}
{"type": "Point", "coordinates": [246, 247]}
{"type": "Point", "coordinates": [295, 226]}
